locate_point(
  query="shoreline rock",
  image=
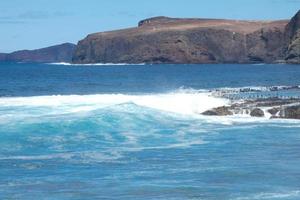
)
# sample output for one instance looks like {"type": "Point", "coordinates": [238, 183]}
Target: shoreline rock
{"type": "Point", "coordinates": [220, 111]}
{"type": "Point", "coordinates": [290, 112]}
{"type": "Point", "coordinates": [275, 107]}
{"type": "Point", "coordinates": [257, 112]}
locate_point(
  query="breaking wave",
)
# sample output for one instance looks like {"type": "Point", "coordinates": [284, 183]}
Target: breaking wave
{"type": "Point", "coordinates": [181, 101]}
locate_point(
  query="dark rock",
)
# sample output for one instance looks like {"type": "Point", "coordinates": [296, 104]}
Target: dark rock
{"type": "Point", "coordinates": [220, 111]}
{"type": "Point", "coordinates": [293, 37]}
{"type": "Point", "coordinates": [280, 108]}
{"type": "Point", "coordinates": [293, 55]}
{"type": "Point", "coordinates": [210, 113]}
{"type": "Point", "coordinates": [257, 112]}
{"type": "Point", "coordinates": [266, 45]}
{"type": "Point", "coordinates": [275, 117]}
{"type": "Point", "coordinates": [58, 53]}
{"type": "Point", "coordinates": [273, 111]}
{"type": "Point", "coordinates": [290, 112]}
{"type": "Point", "coordinates": [270, 102]}
{"type": "Point", "coordinates": [293, 26]}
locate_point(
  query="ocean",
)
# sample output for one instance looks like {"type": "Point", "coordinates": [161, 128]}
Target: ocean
{"type": "Point", "coordinates": [125, 132]}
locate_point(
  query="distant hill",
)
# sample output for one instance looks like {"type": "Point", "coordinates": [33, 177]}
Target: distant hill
{"type": "Point", "coordinates": [2, 56]}
{"type": "Point", "coordinates": [57, 53]}
{"type": "Point", "coordinates": [174, 40]}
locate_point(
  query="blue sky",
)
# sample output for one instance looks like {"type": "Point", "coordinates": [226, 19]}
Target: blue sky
{"type": "Point", "coordinates": [30, 24]}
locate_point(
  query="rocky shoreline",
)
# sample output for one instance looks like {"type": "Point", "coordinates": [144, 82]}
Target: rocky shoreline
{"type": "Point", "coordinates": [268, 107]}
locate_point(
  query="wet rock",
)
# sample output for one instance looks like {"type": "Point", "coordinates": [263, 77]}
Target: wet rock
{"type": "Point", "coordinates": [273, 111]}
{"type": "Point", "coordinates": [210, 113]}
{"type": "Point", "coordinates": [290, 112]}
{"type": "Point", "coordinates": [257, 112]}
{"type": "Point", "coordinates": [278, 108]}
{"type": "Point", "coordinates": [220, 111]}
{"type": "Point", "coordinates": [270, 102]}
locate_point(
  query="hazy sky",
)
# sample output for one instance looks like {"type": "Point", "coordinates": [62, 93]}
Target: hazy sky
{"type": "Point", "coordinates": [29, 24]}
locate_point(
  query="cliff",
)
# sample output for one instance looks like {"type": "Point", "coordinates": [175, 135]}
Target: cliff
{"type": "Point", "coordinates": [173, 40]}
{"type": "Point", "coordinates": [293, 38]}
{"type": "Point", "coordinates": [58, 53]}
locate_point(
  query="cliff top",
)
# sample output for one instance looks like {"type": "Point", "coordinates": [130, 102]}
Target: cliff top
{"type": "Point", "coordinates": [160, 24]}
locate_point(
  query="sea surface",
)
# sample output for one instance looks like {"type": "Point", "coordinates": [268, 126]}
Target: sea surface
{"type": "Point", "coordinates": [126, 132]}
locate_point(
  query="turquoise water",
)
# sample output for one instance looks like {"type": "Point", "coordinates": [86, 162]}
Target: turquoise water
{"type": "Point", "coordinates": [134, 132]}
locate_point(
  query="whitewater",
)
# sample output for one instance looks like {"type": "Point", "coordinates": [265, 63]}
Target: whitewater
{"type": "Point", "coordinates": [180, 102]}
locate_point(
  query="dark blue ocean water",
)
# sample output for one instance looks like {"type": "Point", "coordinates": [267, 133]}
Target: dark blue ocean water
{"type": "Point", "coordinates": [135, 132]}
{"type": "Point", "coordinates": [40, 79]}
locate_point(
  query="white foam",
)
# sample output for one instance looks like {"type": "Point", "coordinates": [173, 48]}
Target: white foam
{"type": "Point", "coordinates": [86, 156]}
{"type": "Point", "coordinates": [94, 64]}
{"type": "Point", "coordinates": [186, 102]}
{"type": "Point", "coordinates": [246, 119]}
{"type": "Point", "coordinates": [177, 102]}
{"type": "Point", "coordinates": [283, 195]}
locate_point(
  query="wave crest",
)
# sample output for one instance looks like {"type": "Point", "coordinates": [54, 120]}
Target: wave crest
{"type": "Point", "coordinates": [181, 102]}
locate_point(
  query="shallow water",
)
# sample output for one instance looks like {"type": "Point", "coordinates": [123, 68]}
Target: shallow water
{"type": "Point", "coordinates": [134, 132]}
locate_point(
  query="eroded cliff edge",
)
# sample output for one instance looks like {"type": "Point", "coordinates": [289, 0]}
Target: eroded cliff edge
{"type": "Point", "coordinates": [172, 40]}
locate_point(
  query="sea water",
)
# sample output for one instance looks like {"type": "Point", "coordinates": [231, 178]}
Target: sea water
{"type": "Point", "coordinates": [136, 132]}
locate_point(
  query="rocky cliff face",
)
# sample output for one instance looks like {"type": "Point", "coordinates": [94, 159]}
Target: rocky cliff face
{"type": "Point", "coordinates": [293, 38]}
{"type": "Point", "coordinates": [172, 40]}
{"type": "Point", "coordinates": [58, 53]}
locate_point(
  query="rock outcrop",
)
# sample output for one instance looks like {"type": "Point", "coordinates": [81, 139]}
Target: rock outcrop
{"type": "Point", "coordinates": [274, 107]}
{"type": "Point", "coordinates": [274, 111]}
{"type": "Point", "coordinates": [293, 38]}
{"type": "Point", "coordinates": [58, 53]}
{"type": "Point", "coordinates": [173, 40]}
{"type": "Point", "coordinates": [257, 112]}
{"type": "Point", "coordinates": [220, 111]}
{"type": "Point", "coordinates": [290, 112]}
